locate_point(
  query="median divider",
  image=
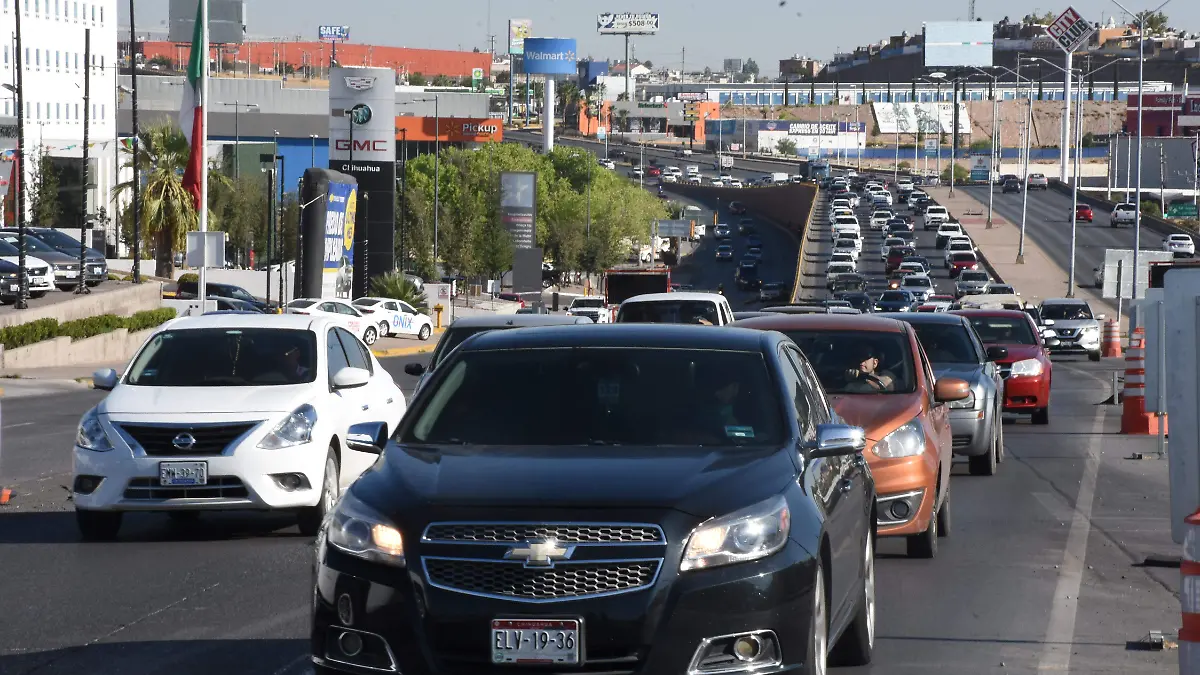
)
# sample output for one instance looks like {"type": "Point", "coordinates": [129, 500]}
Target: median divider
{"type": "Point", "coordinates": [802, 257]}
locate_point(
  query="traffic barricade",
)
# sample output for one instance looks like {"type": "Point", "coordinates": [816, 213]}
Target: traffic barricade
{"type": "Point", "coordinates": [1134, 418]}
{"type": "Point", "coordinates": [1112, 338]}
{"type": "Point", "coordinates": [1189, 598]}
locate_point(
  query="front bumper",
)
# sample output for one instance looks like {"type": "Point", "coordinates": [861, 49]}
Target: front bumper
{"type": "Point", "coordinates": [969, 429]}
{"type": "Point", "coordinates": [1026, 394]}
{"type": "Point", "coordinates": [910, 479]}
{"type": "Point", "coordinates": [657, 629]}
{"type": "Point", "coordinates": [1079, 344]}
{"type": "Point", "coordinates": [240, 477]}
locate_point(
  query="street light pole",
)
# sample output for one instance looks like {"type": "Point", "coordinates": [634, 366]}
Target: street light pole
{"type": "Point", "coordinates": [1025, 180]}
{"type": "Point", "coordinates": [82, 288]}
{"type": "Point", "coordinates": [137, 174]}
{"type": "Point", "coordinates": [1077, 133]}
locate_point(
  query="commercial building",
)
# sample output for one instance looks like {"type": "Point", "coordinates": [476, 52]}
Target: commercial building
{"type": "Point", "coordinates": [799, 68]}
{"type": "Point", "coordinates": [1164, 114]}
{"type": "Point", "coordinates": [54, 70]}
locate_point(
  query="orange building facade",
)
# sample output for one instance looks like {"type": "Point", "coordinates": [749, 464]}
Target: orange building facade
{"type": "Point", "coordinates": [589, 125]}
{"type": "Point", "coordinates": [429, 62]}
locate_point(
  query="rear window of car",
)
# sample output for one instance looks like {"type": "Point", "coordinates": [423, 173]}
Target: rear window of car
{"type": "Point", "coordinates": [301, 304]}
{"type": "Point", "coordinates": [918, 282]}
{"type": "Point", "coordinates": [623, 396]}
{"type": "Point", "coordinates": [835, 356]}
{"type": "Point", "coordinates": [963, 257]}
{"type": "Point", "coordinates": [947, 343]}
{"type": "Point", "coordinates": [674, 311]}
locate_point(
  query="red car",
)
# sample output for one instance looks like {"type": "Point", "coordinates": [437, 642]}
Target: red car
{"type": "Point", "coordinates": [1026, 367]}
{"type": "Point", "coordinates": [654, 171]}
{"type": "Point", "coordinates": [1083, 213]}
{"type": "Point", "coordinates": [962, 261]}
{"type": "Point", "coordinates": [896, 255]}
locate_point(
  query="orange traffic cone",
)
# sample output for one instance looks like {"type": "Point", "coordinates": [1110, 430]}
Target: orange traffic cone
{"type": "Point", "coordinates": [1112, 338]}
{"type": "Point", "coordinates": [1134, 418]}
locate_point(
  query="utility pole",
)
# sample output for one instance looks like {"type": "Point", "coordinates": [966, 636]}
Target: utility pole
{"type": "Point", "coordinates": [22, 280]}
{"type": "Point", "coordinates": [82, 288]}
{"type": "Point", "coordinates": [682, 63]}
{"type": "Point", "coordinates": [1162, 180]}
{"type": "Point", "coordinates": [137, 174]}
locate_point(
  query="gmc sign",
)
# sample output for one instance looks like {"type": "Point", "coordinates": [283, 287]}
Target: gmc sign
{"type": "Point", "coordinates": [343, 144]}
{"type": "Point", "coordinates": [470, 129]}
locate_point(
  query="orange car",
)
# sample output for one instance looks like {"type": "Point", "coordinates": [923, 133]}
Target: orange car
{"type": "Point", "coordinates": [877, 377]}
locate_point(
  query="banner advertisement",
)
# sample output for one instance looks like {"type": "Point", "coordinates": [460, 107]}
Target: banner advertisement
{"type": "Point", "coordinates": [518, 207]}
{"type": "Point", "coordinates": [908, 118]}
{"type": "Point", "coordinates": [518, 31]}
{"type": "Point", "coordinates": [550, 56]}
{"type": "Point", "coordinates": [958, 44]}
{"type": "Point", "coordinates": [333, 33]}
{"type": "Point", "coordinates": [981, 168]}
{"type": "Point", "coordinates": [338, 270]}
{"type": "Point", "coordinates": [627, 23]}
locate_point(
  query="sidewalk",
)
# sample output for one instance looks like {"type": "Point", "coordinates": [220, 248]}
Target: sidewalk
{"type": "Point", "coordinates": [1039, 277]}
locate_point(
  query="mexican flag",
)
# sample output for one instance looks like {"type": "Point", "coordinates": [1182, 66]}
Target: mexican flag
{"type": "Point", "coordinates": [191, 112]}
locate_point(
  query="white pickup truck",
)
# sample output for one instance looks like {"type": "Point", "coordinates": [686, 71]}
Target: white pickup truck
{"type": "Point", "coordinates": [592, 307]}
{"type": "Point", "coordinates": [1124, 213]}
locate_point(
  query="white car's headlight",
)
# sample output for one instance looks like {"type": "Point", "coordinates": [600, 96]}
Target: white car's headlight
{"type": "Point", "coordinates": [1026, 368]}
{"type": "Point", "coordinates": [907, 440]}
{"type": "Point", "coordinates": [91, 434]}
{"type": "Point", "coordinates": [748, 534]}
{"type": "Point", "coordinates": [966, 403]}
{"type": "Point", "coordinates": [1090, 330]}
{"type": "Point", "coordinates": [358, 530]}
{"type": "Point", "coordinates": [295, 429]}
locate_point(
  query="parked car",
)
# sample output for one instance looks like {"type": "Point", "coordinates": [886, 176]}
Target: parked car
{"type": "Point", "coordinates": [395, 317]}
{"type": "Point", "coordinates": [758, 458]}
{"type": "Point", "coordinates": [341, 312]}
{"type": "Point", "coordinates": [65, 267]}
{"type": "Point", "coordinates": [1083, 214]}
{"type": "Point", "coordinates": [230, 411]}
{"type": "Point", "coordinates": [97, 266]}
{"type": "Point", "coordinates": [187, 289]}
{"type": "Point", "coordinates": [1077, 329]}
{"type": "Point", "coordinates": [955, 350]}
{"type": "Point", "coordinates": [1026, 369]}
{"type": "Point", "coordinates": [877, 377]}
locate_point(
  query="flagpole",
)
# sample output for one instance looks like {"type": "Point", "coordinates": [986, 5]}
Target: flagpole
{"type": "Point", "coordinates": [202, 289]}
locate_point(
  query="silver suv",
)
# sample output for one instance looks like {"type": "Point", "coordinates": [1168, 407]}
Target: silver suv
{"type": "Point", "coordinates": [971, 282]}
{"type": "Point", "coordinates": [1077, 329]}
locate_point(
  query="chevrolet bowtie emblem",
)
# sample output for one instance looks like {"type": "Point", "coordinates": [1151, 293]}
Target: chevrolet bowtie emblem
{"type": "Point", "coordinates": [539, 553]}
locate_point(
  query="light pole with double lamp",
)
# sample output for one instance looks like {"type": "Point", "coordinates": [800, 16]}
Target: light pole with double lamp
{"type": "Point", "coordinates": [237, 107]}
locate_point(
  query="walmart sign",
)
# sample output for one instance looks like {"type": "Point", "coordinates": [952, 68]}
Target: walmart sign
{"type": "Point", "coordinates": [550, 56]}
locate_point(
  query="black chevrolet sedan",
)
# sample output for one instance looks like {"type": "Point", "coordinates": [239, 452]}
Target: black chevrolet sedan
{"type": "Point", "coordinates": [684, 500]}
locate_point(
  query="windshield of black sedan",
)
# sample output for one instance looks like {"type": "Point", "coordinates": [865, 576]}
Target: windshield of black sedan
{"type": "Point", "coordinates": [838, 358]}
{"type": "Point", "coordinates": [947, 343]}
{"type": "Point", "coordinates": [226, 357]}
{"type": "Point", "coordinates": [601, 396]}
{"type": "Point", "coordinates": [1003, 330]}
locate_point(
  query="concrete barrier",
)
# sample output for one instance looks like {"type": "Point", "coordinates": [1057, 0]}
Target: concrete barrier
{"type": "Point", "coordinates": [788, 206]}
{"type": "Point", "coordinates": [126, 300]}
{"type": "Point", "coordinates": [116, 346]}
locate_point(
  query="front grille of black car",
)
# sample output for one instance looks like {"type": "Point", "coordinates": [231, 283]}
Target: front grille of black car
{"type": "Point", "coordinates": [210, 439]}
{"type": "Point", "coordinates": [218, 487]}
{"type": "Point", "coordinates": [565, 580]}
{"type": "Point", "coordinates": [38, 271]}
{"type": "Point", "coordinates": [516, 533]}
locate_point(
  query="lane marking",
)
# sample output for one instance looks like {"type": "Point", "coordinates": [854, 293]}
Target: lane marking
{"type": "Point", "coordinates": [19, 424]}
{"type": "Point", "coordinates": [1060, 631]}
{"type": "Point", "coordinates": [291, 665]}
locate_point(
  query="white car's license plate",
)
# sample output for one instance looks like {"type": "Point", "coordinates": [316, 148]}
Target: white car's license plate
{"type": "Point", "coordinates": [14, 287]}
{"type": "Point", "coordinates": [96, 270]}
{"type": "Point", "coordinates": [176, 474]}
{"type": "Point", "coordinates": [532, 641]}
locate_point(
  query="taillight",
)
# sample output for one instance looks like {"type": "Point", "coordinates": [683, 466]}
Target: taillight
{"type": "Point", "coordinates": [296, 311]}
{"type": "Point", "coordinates": [366, 311]}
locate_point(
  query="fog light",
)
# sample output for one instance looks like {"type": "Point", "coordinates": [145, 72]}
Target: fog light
{"type": "Point", "coordinates": [345, 610]}
{"type": "Point", "coordinates": [747, 648]}
{"type": "Point", "coordinates": [86, 485]}
{"type": "Point", "coordinates": [350, 644]}
{"type": "Point", "coordinates": [291, 481]}
{"type": "Point", "coordinates": [900, 509]}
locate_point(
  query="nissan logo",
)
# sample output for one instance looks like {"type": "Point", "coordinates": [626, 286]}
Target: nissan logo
{"type": "Point", "coordinates": [477, 129]}
{"type": "Point", "coordinates": [184, 441]}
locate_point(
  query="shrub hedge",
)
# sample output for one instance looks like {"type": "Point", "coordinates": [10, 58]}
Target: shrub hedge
{"type": "Point", "coordinates": [33, 332]}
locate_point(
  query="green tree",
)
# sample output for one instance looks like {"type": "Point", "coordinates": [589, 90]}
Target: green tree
{"type": "Point", "coordinates": [493, 251]}
{"type": "Point", "coordinates": [442, 81]}
{"type": "Point", "coordinates": [44, 192]}
{"type": "Point", "coordinates": [162, 62]}
{"type": "Point", "coordinates": [417, 80]}
{"type": "Point", "coordinates": [1155, 22]}
{"type": "Point", "coordinates": [750, 68]}
{"type": "Point", "coordinates": [786, 146]}
{"type": "Point", "coordinates": [648, 64]}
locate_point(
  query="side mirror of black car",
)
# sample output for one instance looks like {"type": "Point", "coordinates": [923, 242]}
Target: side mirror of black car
{"type": "Point", "coordinates": [996, 353]}
{"type": "Point", "coordinates": [414, 369]}
{"type": "Point", "coordinates": [835, 440]}
{"type": "Point", "coordinates": [369, 437]}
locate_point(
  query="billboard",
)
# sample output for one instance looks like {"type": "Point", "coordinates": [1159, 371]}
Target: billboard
{"type": "Point", "coordinates": [327, 234]}
{"type": "Point", "coordinates": [981, 168]}
{"type": "Point", "coordinates": [226, 21]}
{"type": "Point", "coordinates": [518, 207]}
{"type": "Point", "coordinates": [1070, 30]}
{"type": "Point", "coordinates": [627, 23]}
{"type": "Point", "coordinates": [908, 118]}
{"type": "Point", "coordinates": [1169, 163]}
{"type": "Point", "coordinates": [518, 31]}
{"type": "Point", "coordinates": [337, 270]}
{"type": "Point", "coordinates": [550, 56]}
{"type": "Point", "coordinates": [958, 44]}
{"type": "Point", "coordinates": [333, 33]}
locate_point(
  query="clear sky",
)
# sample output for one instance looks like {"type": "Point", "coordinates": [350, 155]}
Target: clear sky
{"type": "Point", "coordinates": [709, 30]}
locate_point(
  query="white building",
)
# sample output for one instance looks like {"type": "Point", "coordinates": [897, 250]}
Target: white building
{"type": "Point", "coordinates": [52, 35]}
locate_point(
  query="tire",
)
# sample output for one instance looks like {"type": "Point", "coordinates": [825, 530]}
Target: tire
{"type": "Point", "coordinates": [818, 633]}
{"type": "Point", "coordinates": [424, 333]}
{"type": "Point", "coordinates": [857, 644]}
{"type": "Point", "coordinates": [985, 464]}
{"type": "Point", "coordinates": [37, 294]}
{"type": "Point", "coordinates": [370, 335]}
{"type": "Point", "coordinates": [925, 544]}
{"type": "Point", "coordinates": [98, 525]}
{"type": "Point", "coordinates": [945, 525]}
{"type": "Point", "coordinates": [385, 329]}
{"type": "Point", "coordinates": [310, 518]}
{"type": "Point", "coordinates": [1041, 416]}
{"type": "Point", "coordinates": [1093, 356]}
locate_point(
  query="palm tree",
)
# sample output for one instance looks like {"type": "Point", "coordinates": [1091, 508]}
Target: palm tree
{"type": "Point", "coordinates": [167, 211]}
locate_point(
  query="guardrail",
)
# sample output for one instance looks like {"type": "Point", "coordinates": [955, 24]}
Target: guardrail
{"type": "Point", "coordinates": [798, 286]}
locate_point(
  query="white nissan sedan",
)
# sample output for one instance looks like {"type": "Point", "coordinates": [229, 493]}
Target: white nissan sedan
{"type": "Point", "coordinates": [396, 317]}
{"type": "Point", "coordinates": [340, 311]}
{"type": "Point", "coordinates": [230, 412]}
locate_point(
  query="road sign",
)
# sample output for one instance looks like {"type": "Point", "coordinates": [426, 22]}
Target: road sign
{"type": "Point", "coordinates": [981, 168]}
{"type": "Point", "coordinates": [1118, 263]}
{"type": "Point", "coordinates": [1182, 210]}
{"type": "Point", "coordinates": [931, 147]}
{"type": "Point", "coordinates": [601, 133]}
{"type": "Point", "coordinates": [673, 228]}
{"type": "Point", "coordinates": [1070, 30]}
